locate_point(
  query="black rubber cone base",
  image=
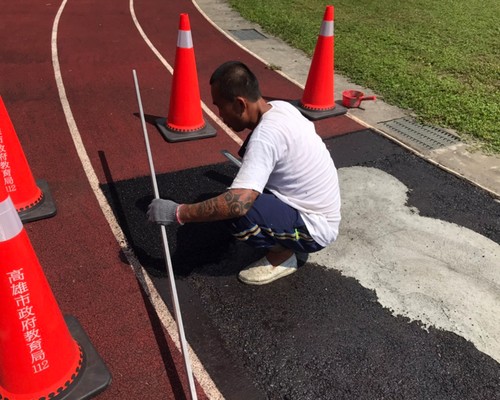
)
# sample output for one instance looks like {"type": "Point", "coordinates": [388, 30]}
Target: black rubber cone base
{"type": "Point", "coordinates": [94, 376]}
{"type": "Point", "coordinates": [315, 115]}
{"type": "Point", "coordinates": [169, 135]}
{"type": "Point", "coordinates": [46, 208]}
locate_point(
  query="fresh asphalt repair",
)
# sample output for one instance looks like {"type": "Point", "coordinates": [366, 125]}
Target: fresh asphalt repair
{"type": "Point", "coordinates": [316, 334]}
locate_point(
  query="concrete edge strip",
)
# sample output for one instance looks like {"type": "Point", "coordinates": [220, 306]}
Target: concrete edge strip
{"type": "Point", "coordinates": [243, 47]}
{"type": "Point", "coordinates": [425, 157]}
{"type": "Point", "coordinates": [163, 313]}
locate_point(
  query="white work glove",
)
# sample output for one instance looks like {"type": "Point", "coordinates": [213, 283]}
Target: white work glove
{"type": "Point", "coordinates": [163, 212]}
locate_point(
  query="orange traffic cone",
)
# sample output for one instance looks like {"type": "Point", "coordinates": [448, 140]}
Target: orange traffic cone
{"type": "Point", "coordinates": [39, 359]}
{"type": "Point", "coordinates": [185, 120]}
{"type": "Point", "coordinates": [32, 200]}
{"type": "Point", "coordinates": [318, 98]}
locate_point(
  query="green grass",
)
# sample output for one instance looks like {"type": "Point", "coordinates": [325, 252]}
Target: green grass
{"type": "Point", "coordinates": [439, 59]}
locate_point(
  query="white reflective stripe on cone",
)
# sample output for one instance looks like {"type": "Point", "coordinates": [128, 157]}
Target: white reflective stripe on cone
{"type": "Point", "coordinates": [327, 28]}
{"type": "Point", "coordinates": [184, 39]}
{"type": "Point", "coordinates": [10, 223]}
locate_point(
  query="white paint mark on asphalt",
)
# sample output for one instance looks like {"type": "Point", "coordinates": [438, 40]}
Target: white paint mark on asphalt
{"type": "Point", "coordinates": [163, 313]}
{"type": "Point", "coordinates": [428, 270]}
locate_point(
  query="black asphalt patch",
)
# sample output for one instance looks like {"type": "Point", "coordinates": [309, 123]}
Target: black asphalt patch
{"type": "Point", "coordinates": [315, 334]}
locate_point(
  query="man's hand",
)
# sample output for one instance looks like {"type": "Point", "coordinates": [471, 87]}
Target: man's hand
{"type": "Point", "coordinates": [163, 212]}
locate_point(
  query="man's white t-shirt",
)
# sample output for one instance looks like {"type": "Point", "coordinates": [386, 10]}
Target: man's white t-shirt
{"type": "Point", "coordinates": [286, 156]}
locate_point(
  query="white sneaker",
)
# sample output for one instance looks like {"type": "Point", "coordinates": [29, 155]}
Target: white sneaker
{"type": "Point", "coordinates": [262, 271]}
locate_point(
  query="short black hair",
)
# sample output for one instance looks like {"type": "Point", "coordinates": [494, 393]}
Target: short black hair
{"type": "Point", "coordinates": [236, 80]}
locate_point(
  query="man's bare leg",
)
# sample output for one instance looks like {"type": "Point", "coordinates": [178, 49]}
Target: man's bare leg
{"type": "Point", "coordinates": [278, 255]}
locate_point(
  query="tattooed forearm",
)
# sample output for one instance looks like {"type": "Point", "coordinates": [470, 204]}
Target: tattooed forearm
{"type": "Point", "coordinates": [237, 204]}
{"type": "Point", "coordinates": [231, 204]}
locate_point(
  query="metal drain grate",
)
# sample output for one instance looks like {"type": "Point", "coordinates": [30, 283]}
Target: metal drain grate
{"type": "Point", "coordinates": [247, 34]}
{"type": "Point", "coordinates": [424, 136]}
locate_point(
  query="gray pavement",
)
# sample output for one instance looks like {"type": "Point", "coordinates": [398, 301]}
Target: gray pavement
{"type": "Point", "coordinates": [450, 154]}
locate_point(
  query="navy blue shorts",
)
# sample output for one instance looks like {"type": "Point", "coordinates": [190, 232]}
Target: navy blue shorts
{"type": "Point", "coordinates": [271, 222]}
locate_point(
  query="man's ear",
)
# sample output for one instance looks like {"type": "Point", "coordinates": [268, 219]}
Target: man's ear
{"type": "Point", "coordinates": [240, 104]}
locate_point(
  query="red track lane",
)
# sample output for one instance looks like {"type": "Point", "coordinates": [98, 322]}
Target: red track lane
{"type": "Point", "coordinates": [99, 46]}
{"type": "Point", "coordinates": [77, 250]}
{"type": "Point", "coordinates": [97, 73]}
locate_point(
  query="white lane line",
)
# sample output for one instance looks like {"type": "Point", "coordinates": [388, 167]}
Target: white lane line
{"type": "Point", "coordinates": [166, 318]}
{"type": "Point", "coordinates": [204, 107]}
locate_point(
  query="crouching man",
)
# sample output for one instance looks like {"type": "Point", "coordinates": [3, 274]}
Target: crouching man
{"type": "Point", "coordinates": [285, 197]}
